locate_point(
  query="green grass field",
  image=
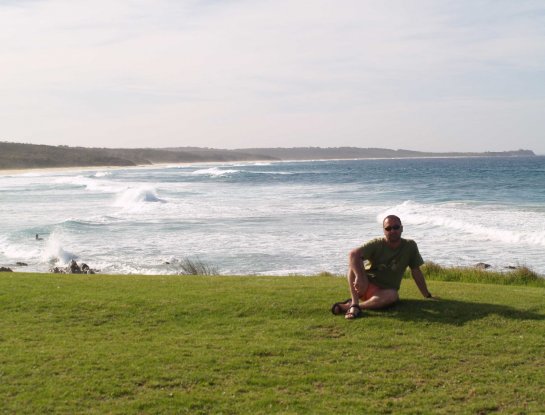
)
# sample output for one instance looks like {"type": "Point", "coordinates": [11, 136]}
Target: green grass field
{"type": "Point", "coordinates": [259, 345]}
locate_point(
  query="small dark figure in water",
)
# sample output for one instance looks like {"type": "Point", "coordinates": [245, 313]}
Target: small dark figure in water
{"type": "Point", "coordinates": [38, 238]}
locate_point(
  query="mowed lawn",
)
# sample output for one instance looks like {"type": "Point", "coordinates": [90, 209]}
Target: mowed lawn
{"type": "Point", "coordinates": [258, 345]}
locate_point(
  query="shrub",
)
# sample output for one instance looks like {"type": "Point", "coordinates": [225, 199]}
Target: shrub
{"type": "Point", "coordinates": [196, 267]}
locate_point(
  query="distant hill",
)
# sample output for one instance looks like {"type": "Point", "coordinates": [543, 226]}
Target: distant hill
{"type": "Point", "coordinates": [319, 153]}
{"type": "Point", "coordinates": [28, 156]}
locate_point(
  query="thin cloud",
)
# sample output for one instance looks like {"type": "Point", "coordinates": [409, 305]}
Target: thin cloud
{"type": "Point", "coordinates": [300, 72]}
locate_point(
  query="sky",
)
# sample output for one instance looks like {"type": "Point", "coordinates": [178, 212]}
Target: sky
{"type": "Point", "coordinates": [465, 75]}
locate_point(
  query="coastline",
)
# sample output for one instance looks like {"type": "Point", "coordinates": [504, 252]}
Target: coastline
{"type": "Point", "coordinates": [19, 158]}
{"type": "Point", "coordinates": [42, 170]}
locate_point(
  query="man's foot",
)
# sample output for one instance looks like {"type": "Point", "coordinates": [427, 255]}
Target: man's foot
{"type": "Point", "coordinates": [353, 312]}
{"type": "Point", "coordinates": [340, 307]}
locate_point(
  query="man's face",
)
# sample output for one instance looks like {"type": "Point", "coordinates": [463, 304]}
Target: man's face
{"type": "Point", "coordinates": [392, 230]}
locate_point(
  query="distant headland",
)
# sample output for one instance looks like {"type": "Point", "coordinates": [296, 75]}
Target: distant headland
{"type": "Point", "coordinates": [32, 156]}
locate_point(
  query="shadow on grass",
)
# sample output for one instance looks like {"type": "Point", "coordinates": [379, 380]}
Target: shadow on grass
{"type": "Point", "coordinates": [455, 312]}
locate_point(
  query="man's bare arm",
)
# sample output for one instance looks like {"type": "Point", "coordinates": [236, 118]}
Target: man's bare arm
{"type": "Point", "coordinates": [356, 267]}
{"type": "Point", "coordinates": [420, 281]}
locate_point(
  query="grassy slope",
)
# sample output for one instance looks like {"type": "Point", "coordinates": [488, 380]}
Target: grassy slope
{"type": "Point", "coordinates": [179, 344]}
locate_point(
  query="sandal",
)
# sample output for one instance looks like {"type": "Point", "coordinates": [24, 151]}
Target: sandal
{"type": "Point", "coordinates": [353, 312]}
{"type": "Point", "coordinates": [337, 307]}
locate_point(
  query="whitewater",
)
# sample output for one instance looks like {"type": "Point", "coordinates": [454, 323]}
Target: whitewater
{"type": "Point", "coordinates": [277, 218]}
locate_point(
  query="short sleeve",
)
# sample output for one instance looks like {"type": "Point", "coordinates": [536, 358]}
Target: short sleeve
{"type": "Point", "coordinates": [416, 259]}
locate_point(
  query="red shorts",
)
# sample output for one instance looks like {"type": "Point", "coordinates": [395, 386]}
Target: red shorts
{"type": "Point", "coordinates": [372, 289]}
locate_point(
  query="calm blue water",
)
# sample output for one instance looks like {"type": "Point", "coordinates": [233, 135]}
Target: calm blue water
{"type": "Point", "coordinates": [274, 218]}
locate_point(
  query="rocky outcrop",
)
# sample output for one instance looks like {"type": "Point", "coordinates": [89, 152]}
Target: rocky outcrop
{"type": "Point", "coordinates": [74, 268]}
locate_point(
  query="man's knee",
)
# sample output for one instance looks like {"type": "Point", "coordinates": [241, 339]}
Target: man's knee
{"type": "Point", "coordinates": [390, 297]}
{"type": "Point", "coordinates": [394, 296]}
{"type": "Point", "coordinates": [381, 299]}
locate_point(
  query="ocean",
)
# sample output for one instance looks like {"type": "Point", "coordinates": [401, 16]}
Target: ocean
{"type": "Point", "coordinates": [274, 218]}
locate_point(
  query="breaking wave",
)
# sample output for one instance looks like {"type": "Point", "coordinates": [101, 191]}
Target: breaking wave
{"type": "Point", "coordinates": [214, 172]}
{"type": "Point", "coordinates": [137, 196]}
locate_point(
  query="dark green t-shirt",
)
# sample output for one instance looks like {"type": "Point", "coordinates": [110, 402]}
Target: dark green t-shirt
{"type": "Point", "coordinates": [385, 266]}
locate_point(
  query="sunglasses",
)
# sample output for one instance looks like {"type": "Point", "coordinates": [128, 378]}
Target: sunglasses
{"type": "Point", "coordinates": [395, 228]}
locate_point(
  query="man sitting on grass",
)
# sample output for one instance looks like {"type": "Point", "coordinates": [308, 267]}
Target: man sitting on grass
{"type": "Point", "coordinates": [376, 269]}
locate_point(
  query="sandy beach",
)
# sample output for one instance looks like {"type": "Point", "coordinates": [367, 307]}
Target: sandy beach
{"type": "Point", "coordinates": [44, 170]}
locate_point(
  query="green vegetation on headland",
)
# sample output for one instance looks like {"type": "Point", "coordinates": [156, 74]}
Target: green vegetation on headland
{"type": "Point", "coordinates": [120, 344]}
{"type": "Point", "coordinates": [517, 276]}
{"type": "Point", "coordinates": [28, 156]}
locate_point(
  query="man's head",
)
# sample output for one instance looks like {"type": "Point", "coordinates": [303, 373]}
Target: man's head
{"type": "Point", "coordinates": [392, 228]}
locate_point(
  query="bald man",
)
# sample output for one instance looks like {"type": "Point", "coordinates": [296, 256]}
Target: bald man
{"type": "Point", "coordinates": [376, 269]}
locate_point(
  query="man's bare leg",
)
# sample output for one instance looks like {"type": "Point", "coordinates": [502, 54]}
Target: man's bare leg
{"type": "Point", "coordinates": [363, 283]}
{"type": "Point", "coordinates": [382, 298]}
{"type": "Point", "coordinates": [357, 287]}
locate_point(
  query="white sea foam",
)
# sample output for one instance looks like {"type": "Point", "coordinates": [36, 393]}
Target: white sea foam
{"type": "Point", "coordinates": [96, 220]}
{"type": "Point", "coordinates": [273, 173]}
{"type": "Point", "coordinates": [32, 174]}
{"type": "Point", "coordinates": [54, 252]}
{"type": "Point", "coordinates": [464, 234]}
{"type": "Point", "coordinates": [19, 250]}
{"type": "Point", "coordinates": [90, 183]}
{"type": "Point", "coordinates": [135, 197]}
{"type": "Point", "coordinates": [74, 180]}
{"type": "Point", "coordinates": [214, 172]}
{"type": "Point", "coordinates": [257, 163]}
{"type": "Point", "coordinates": [102, 174]}
{"type": "Point", "coordinates": [473, 223]}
